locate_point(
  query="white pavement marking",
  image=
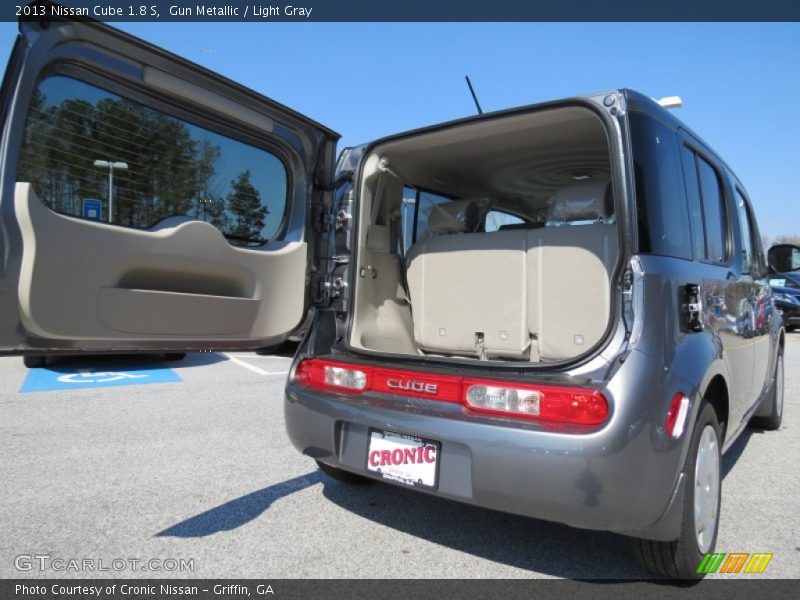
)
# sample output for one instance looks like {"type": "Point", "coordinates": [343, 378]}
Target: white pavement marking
{"type": "Point", "coordinates": [253, 368]}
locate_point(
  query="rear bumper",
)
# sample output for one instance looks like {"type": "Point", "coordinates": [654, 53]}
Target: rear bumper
{"type": "Point", "coordinates": [624, 478]}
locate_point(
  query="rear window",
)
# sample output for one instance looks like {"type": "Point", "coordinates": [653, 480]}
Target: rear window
{"type": "Point", "coordinates": [93, 154]}
{"type": "Point", "coordinates": [660, 201]}
{"type": "Point", "coordinates": [497, 220]}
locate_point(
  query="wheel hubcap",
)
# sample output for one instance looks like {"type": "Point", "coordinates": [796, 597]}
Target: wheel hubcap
{"type": "Point", "coordinates": [779, 386]}
{"type": "Point", "coordinates": [706, 489]}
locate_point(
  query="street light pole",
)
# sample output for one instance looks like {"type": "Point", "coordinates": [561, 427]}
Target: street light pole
{"type": "Point", "coordinates": [110, 165]}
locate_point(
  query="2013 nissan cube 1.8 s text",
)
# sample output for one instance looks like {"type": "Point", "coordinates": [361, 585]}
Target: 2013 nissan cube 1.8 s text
{"type": "Point", "coordinates": [559, 311]}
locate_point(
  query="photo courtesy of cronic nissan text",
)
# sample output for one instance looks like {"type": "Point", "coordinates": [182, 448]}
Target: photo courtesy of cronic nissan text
{"type": "Point", "coordinates": [358, 299]}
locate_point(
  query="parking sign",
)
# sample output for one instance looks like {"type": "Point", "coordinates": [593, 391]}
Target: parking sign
{"type": "Point", "coordinates": [92, 209]}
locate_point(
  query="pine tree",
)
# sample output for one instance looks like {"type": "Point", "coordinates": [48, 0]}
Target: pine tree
{"type": "Point", "coordinates": [247, 212]}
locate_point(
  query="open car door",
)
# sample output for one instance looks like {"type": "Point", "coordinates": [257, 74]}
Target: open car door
{"type": "Point", "coordinates": [147, 203]}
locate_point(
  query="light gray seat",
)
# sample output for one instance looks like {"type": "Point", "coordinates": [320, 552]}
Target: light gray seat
{"type": "Point", "coordinates": [539, 293]}
{"type": "Point", "coordinates": [468, 294]}
{"type": "Point", "coordinates": [569, 267]}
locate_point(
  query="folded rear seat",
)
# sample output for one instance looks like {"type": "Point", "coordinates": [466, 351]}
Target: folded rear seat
{"type": "Point", "coordinates": [533, 294]}
{"type": "Point", "coordinates": [569, 269]}
{"type": "Point", "coordinates": [468, 294]}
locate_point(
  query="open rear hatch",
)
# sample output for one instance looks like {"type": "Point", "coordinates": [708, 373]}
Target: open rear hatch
{"type": "Point", "coordinates": [493, 239]}
{"type": "Point", "coordinates": [147, 203]}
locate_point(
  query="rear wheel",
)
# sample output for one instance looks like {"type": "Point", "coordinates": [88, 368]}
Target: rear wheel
{"type": "Point", "coordinates": [775, 401]}
{"type": "Point", "coordinates": [343, 476]}
{"type": "Point", "coordinates": [34, 362]}
{"type": "Point", "coordinates": [701, 500]}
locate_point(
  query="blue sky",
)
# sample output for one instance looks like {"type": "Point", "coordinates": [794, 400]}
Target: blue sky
{"type": "Point", "coordinates": [739, 82]}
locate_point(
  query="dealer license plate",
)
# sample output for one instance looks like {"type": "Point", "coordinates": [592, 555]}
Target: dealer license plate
{"type": "Point", "coordinates": [403, 458]}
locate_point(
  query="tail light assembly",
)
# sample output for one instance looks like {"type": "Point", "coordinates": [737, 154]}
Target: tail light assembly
{"type": "Point", "coordinates": [677, 412]}
{"type": "Point", "coordinates": [567, 405]}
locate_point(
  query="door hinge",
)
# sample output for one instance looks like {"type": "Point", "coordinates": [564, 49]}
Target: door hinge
{"type": "Point", "coordinates": [326, 288]}
{"type": "Point", "coordinates": [325, 222]}
{"type": "Point", "coordinates": [344, 177]}
{"type": "Point", "coordinates": [693, 307]}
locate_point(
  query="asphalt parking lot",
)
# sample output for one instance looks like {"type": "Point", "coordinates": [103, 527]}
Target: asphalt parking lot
{"type": "Point", "coordinates": [198, 467]}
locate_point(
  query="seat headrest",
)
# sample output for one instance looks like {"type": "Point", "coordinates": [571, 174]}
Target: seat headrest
{"type": "Point", "coordinates": [459, 216]}
{"type": "Point", "coordinates": [589, 201]}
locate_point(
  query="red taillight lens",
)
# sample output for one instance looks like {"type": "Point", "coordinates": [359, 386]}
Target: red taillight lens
{"type": "Point", "coordinates": [557, 404]}
{"type": "Point", "coordinates": [676, 415]}
{"type": "Point", "coordinates": [576, 406]}
{"type": "Point", "coordinates": [322, 374]}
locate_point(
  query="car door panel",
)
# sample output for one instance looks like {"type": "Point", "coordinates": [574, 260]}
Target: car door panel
{"type": "Point", "coordinates": [70, 283]}
{"type": "Point", "coordinates": [183, 280]}
{"type": "Point", "coordinates": [761, 300]}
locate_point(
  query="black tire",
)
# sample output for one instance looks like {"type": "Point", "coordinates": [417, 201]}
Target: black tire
{"type": "Point", "coordinates": [679, 559]}
{"type": "Point", "coordinates": [774, 399]}
{"type": "Point", "coordinates": [173, 356]}
{"type": "Point", "coordinates": [344, 476]}
{"type": "Point", "coordinates": [34, 362]}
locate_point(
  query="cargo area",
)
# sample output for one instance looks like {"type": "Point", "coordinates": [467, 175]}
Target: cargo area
{"type": "Point", "coordinates": [491, 240]}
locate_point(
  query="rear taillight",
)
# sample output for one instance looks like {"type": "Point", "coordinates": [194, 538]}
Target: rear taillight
{"type": "Point", "coordinates": [676, 415]}
{"type": "Point", "coordinates": [495, 398]}
{"type": "Point", "coordinates": [321, 374]}
{"type": "Point", "coordinates": [558, 404]}
{"type": "Point", "coordinates": [576, 406]}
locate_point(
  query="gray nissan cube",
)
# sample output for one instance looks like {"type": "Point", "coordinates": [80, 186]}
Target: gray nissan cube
{"type": "Point", "coordinates": [560, 311]}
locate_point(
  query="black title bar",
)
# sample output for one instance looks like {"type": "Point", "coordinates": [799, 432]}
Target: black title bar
{"type": "Point", "coordinates": [406, 10]}
{"type": "Point", "coordinates": [391, 589]}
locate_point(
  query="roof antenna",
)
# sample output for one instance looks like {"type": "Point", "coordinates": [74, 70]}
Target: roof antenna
{"type": "Point", "coordinates": [474, 97]}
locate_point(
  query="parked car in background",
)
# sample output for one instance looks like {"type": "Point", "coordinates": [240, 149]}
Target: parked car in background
{"type": "Point", "coordinates": [784, 264]}
{"type": "Point", "coordinates": [787, 301]}
{"type": "Point", "coordinates": [584, 358]}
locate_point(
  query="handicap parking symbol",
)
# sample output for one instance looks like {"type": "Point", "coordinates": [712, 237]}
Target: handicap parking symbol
{"type": "Point", "coordinates": [63, 378]}
{"type": "Point", "coordinates": [84, 376]}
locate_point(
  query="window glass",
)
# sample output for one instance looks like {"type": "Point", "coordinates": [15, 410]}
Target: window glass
{"type": "Point", "coordinates": [496, 219]}
{"type": "Point", "coordinates": [660, 199]}
{"type": "Point", "coordinates": [689, 160]}
{"type": "Point", "coordinates": [713, 211]}
{"type": "Point", "coordinates": [407, 216]}
{"type": "Point", "coordinates": [427, 200]}
{"type": "Point", "coordinates": [90, 153]}
{"type": "Point", "coordinates": [427, 204]}
{"type": "Point", "coordinates": [748, 254]}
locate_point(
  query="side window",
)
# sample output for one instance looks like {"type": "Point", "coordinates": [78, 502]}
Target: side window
{"type": "Point", "coordinates": [495, 220]}
{"type": "Point", "coordinates": [426, 200]}
{"type": "Point", "coordinates": [749, 264]}
{"type": "Point", "coordinates": [689, 160]}
{"type": "Point", "coordinates": [93, 154]}
{"type": "Point", "coordinates": [660, 198]}
{"type": "Point", "coordinates": [713, 211]}
{"type": "Point", "coordinates": [407, 216]}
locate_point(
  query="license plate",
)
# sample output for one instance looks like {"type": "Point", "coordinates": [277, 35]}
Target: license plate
{"type": "Point", "coordinates": [403, 458]}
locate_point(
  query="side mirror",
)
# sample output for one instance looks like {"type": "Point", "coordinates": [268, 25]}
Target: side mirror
{"type": "Point", "coordinates": [784, 258]}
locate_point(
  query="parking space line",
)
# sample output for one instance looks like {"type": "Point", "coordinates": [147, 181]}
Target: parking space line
{"type": "Point", "coordinates": [253, 368]}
